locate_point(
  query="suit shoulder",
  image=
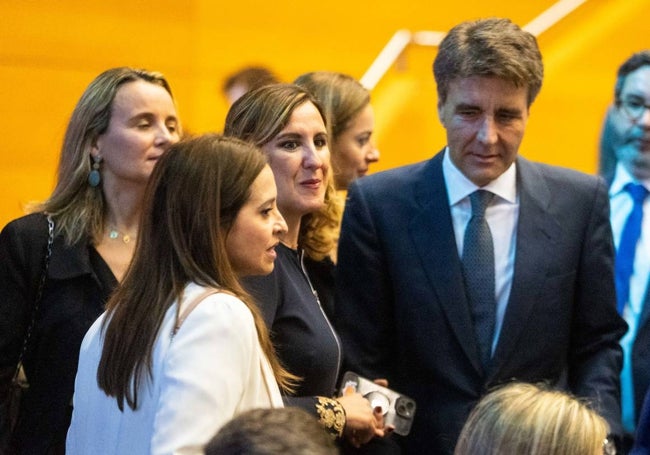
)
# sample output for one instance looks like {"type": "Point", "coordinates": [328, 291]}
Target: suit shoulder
{"type": "Point", "coordinates": [564, 179]}
{"type": "Point", "coordinates": [561, 172]}
{"type": "Point", "coordinates": [392, 180]}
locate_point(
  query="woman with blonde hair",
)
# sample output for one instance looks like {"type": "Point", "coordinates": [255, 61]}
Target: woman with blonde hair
{"type": "Point", "coordinates": [522, 418]}
{"type": "Point", "coordinates": [76, 246]}
{"type": "Point", "coordinates": [351, 122]}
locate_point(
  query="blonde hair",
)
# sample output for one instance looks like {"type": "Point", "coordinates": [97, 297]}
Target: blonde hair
{"type": "Point", "coordinates": [531, 419]}
{"type": "Point", "coordinates": [79, 208]}
{"type": "Point", "coordinates": [342, 98]}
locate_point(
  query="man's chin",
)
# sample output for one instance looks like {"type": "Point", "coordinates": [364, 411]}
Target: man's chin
{"type": "Point", "coordinates": [640, 169]}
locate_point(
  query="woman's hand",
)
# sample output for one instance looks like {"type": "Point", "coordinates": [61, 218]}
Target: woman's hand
{"type": "Point", "coordinates": [381, 381]}
{"type": "Point", "coordinates": [362, 423]}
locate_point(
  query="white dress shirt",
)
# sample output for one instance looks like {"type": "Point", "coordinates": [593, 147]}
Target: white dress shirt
{"type": "Point", "coordinates": [210, 371]}
{"type": "Point", "coordinates": [621, 205]}
{"type": "Point", "coordinates": [501, 215]}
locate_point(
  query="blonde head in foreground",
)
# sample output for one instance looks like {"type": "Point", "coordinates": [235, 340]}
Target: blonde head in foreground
{"type": "Point", "coordinates": [528, 419]}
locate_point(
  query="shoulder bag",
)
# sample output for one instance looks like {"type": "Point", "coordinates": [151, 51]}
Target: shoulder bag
{"type": "Point", "coordinates": [12, 396]}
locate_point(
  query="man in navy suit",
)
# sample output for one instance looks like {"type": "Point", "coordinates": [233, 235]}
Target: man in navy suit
{"type": "Point", "coordinates": [406, 309]}
{"type": "Point", "coordinates": [629, 124]}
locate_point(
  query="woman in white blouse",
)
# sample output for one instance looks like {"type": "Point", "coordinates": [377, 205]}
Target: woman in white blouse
{"type": "Point", "coordinates": [181, 349]}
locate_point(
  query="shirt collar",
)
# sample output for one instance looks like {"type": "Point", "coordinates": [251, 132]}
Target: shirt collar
{"type": "Point", "coordinates": [621, 178]}
{"type": "Point", "coordinates": [459, 186]}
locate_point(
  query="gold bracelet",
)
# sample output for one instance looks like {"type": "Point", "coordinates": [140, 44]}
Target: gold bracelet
{"type": "Point", "coordinates": [331, 414]}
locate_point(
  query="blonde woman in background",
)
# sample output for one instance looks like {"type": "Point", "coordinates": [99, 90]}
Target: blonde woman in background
{"type": "Point", "coordinates": [351, 122]}
{"type": "Point", "coordinates": [522, 418]}
{"type": "Point", "coordinates": [123, 123]}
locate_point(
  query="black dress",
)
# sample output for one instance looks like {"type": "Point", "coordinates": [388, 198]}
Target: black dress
{"type": "Point", "coordinates": [321, 274]}
{"type": "Point", "coordinates": [304, 338]}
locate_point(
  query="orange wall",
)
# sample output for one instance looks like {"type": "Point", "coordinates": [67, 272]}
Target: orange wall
{"type": "Point", "coordinates": [50, 51]}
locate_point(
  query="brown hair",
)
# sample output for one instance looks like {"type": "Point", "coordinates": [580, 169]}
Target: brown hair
{"type": "Point", "coordinates": [181, 240]}
{"type": "Point", "coordinates": [489, 47]}
{"type": "Point", "coordinates": [258, 117]}
{"type": "Point", "coordinates": [633, 63]}
{"type": "Point", "coordinates": [251, 77]}
{"type": "Point", "coordinates": [279, 431]}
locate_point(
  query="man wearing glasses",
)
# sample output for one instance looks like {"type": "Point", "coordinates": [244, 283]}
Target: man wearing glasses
{"type": "Point", "coordinates": [629, 123]}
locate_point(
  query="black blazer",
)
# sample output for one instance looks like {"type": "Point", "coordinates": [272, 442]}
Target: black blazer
{"type": "Point", "coordinates": [642, 440]}
{"type": "Point", "coordinates": [402, 312]}
{"type": "Point", "coordinates": [77, 287]}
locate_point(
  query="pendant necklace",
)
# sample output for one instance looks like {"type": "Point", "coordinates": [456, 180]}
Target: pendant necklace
{"type": "Point", "coordinates": [115, 234]}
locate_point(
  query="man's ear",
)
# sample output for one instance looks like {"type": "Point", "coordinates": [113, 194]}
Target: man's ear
{"type": "Point", "coordinates": [441, 113]}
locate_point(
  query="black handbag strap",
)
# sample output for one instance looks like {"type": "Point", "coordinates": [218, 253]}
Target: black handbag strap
{"type": "Point", "coordinates": [39, 292]}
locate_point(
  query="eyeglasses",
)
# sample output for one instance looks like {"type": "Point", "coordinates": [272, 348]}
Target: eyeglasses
{"type": "Point", "coordinates": [633, 108]}
{"type": "Point", "coordinates": [609, 448]}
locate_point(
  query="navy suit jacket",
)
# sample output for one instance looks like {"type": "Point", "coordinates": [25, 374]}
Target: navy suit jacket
{"type": "Point", "coordinates": [642, 442]}
{"type": "Point", "coordinates": [402, 312]}
{"type": "Point", "coordinates": [641, 356]}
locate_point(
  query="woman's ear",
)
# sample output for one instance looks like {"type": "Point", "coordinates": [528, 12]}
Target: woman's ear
{"type": "Point", "coordinates": [95, 146]}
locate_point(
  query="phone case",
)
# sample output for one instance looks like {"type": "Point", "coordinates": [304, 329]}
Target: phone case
{"type": "Point", "coordinates": [398, 409]}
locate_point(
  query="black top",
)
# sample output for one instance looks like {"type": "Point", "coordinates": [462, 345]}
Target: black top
{"type": "Point", "coordinates": [301, 332]}
{"type": "Point", "coordinates": [321, 275]}
{"type": "Point", "coordinates": [77, 287]}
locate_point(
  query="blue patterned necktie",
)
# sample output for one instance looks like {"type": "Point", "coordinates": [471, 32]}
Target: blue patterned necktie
{"type": "Point", "coordinates": [478, 270]}
{"type": "Point", "coordinates": [627, 245]}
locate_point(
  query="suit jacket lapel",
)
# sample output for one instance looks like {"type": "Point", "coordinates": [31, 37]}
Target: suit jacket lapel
{"type": "Point", "coordinates": [432, 232]}
{"type": "Point", "coordinates": [535, 230]}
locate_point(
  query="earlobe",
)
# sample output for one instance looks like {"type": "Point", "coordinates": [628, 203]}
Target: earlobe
{"type": "Point", "coordinates": [94, 149]}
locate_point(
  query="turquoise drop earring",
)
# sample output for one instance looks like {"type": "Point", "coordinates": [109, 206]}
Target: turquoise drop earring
{"type": "Point", "coordinates": [93, 176]}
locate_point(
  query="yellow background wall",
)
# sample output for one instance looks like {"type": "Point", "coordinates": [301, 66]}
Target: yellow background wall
{"type": "Point", "coordinates": [50, 51]}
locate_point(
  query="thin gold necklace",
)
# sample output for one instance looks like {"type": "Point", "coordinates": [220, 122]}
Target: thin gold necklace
{"type": "Point", "coordinates": [114, 234]}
